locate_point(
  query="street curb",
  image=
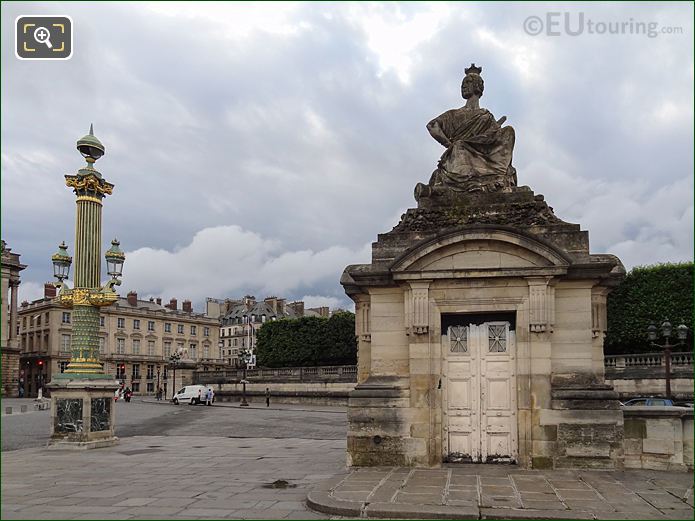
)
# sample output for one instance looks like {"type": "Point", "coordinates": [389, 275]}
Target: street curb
{"type": "Point", "coordinates": [413, 511]}
{"type": "Point", "coordinates": [230, 406]}
{"type": "Point", "coordinates": [510, 513]}
{"type": "Point", "coordinates": [321, 501]}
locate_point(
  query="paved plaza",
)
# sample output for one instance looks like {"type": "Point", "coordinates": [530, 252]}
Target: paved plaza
{"type": "Point", "coordinates": [226, 462]}
{"type": "Point", "coordinates": [506, 492]}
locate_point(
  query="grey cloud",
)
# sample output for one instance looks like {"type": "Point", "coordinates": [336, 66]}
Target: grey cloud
{"type": "Point", "coordinates": [302, 140]}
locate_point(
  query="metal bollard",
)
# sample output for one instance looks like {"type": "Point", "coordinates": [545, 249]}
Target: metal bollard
{"type": "Point", "coordinates": [8, 410]}
{"type": "Point", "coordinates": [23, 408]}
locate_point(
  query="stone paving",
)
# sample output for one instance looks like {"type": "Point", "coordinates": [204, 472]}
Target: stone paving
{"type": "Point", "coordinates": [165, 477]}
{"type": "Point", "coordinates": [504, 492]}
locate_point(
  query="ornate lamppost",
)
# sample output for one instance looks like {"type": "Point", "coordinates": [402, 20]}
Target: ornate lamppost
{"type": "Point", "coordinates": [83, 394]}
{"type": "Point", "coordinates": [245, 357]}
{"type": "Point", "coordinates": [174, 360]}
{"type": "Point", "coordinates": [666, 332]}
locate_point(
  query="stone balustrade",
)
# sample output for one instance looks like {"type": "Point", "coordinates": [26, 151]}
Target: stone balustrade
{"type": "Point", "coordinates": [679, 361]}
{"type": "Point", "coordinates": [330, 373]}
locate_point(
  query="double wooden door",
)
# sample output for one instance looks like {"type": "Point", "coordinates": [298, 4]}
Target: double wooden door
{"type": "Point", "coordinates": [480, 420]}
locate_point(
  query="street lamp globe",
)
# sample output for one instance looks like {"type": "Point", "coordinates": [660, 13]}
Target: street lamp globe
{"type": "Point", "coordinates": [666, 329]}
{"type": "Point", "coordinates": [682, 332]}
{"type": "Point", "coordinates": [61, 262]}
{"type": "Point", "coordinates": [651, 332]}
{"type": "Point", "coordinates": [114, 260]}
{"type": "Point", "coordinates": [90, 147]}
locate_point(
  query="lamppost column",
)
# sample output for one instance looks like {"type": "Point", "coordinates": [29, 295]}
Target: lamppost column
{"type": "Point", "coordinates": [667, 356]}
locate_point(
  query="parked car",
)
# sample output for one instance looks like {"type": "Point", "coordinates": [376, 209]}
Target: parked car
{"type": "Point", "coordinates": [649, 402]}
{"type": "Point", "coordinates": [191, 394]}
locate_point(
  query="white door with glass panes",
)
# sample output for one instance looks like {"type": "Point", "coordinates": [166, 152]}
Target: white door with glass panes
{"type": "Point", "coordinates": [479, 399]}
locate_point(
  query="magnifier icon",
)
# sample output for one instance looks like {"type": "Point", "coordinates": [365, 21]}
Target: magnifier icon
{"type": "Point", "coordinates": [43, 35]}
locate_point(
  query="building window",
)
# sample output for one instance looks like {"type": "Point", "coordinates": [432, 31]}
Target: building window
{"type": "Point", "coordinates": [120, 372]}
{"type": "Point", "coordinates": [150, 387]}
{"type": "Point", "coordinates": [136, 387]}
{"type": "Point", "coordinates": [179, 329]}
{"type": "Point", "coordinates": [136, 347]}
{"type": "Point", "coordinates": [193, 330]}
{"type": "Point", "coordinates": [167, 327]}
{"type": "Point", "coordinates": [102, 321]}
{"type": "Point", "coordinates": [65, 343]}
{"type": "Point", "coordinates": [234, 344]}
{"type": "Point", "coordinates": [136, 373]}
{"type": "Point", "coordinates": [150, 371]}
{"type": "Point", "coordinates": [167, 349]}
{"type": "Point", "coordinates": [121, 323]}
{"type": "Point", "coordinates": [24, 322]}
{"type": "Point", "coordinates": [165, 373]}
{"type": "Point", "coordinates": [150, 347]}
{"type": "Point", "coordinates": [102, 345]}
{"type": "Point", "coordinates": [192, 352]}
{"type": "Point", "coordinates": [179, 347]}
{"type": "Point", "coordinates": [206, 331]}
{"type": "Point", "coordinates": [206, 352]}
{"type": "Point", "coordinates": [63, 366]}
{"type": "Point", "coordinates": [150, 325]}
{"type": "Point", "coordinates": [136, 323]}
{"type": "Point", "coordinates": [38, 320]}
{"type": "Point", "coordinates": [120, 346]}
{"type": "Point", "coordinates": [66, 317]}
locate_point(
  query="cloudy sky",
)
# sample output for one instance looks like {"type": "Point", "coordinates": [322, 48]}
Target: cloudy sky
{"type": "Point", "coordinates": [260, 148]}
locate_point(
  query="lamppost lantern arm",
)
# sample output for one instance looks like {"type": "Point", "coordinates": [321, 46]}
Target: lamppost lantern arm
{"type": "Point", "coordinates": [114, 260]}
{"type": "Point", "coordinates": [651, 332]}
{"type": "Point", "coordinates": [666, 329]}
{"type": "Point", "coordinates": [61, 263]}
{"type": "Point", "coordinates": [682, 332]}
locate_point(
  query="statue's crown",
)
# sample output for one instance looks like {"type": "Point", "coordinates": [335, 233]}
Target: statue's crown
{"type": "Point", "coordinates": [473, 69]}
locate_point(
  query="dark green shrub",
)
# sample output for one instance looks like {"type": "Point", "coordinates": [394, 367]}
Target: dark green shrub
{"type": "Point", "coordinates": [649, 294]}
{"type": "Point", "coordinates": [308, 341]}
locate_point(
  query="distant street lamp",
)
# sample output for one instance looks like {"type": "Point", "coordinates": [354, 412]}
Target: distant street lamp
{"type": "Point", "coordinates": [245, 358]}
{"type": "Point", "coordinates": [666, 332]}
{"type": "Point", "coordinates": [174, 361]}
{"type": "Point", "coordinates": [157, 389]}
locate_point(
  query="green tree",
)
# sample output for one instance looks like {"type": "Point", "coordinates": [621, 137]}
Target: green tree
{"type": "Point", "coordinates": [308, 341]}
{"type": "Point", "coordinates": [649, 294]}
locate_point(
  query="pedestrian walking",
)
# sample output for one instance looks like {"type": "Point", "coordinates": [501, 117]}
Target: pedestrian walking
{"type": "Point", "coordinates": [208, 396]}
{"type": "Point", "coordinates": [159, 393]}
{"type": "Point", "coordinates": [267, 397]}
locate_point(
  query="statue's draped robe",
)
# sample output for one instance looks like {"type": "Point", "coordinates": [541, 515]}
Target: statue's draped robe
{"type": "Point", "coordinates": [480, 151]}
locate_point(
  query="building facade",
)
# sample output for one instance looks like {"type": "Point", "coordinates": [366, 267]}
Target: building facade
{"type": "Point", "coordinates": [241, 319]}
{"type": "Point", "coordinates": [136, 339]}
{"type": "Point", "coordinates": [9, 344]}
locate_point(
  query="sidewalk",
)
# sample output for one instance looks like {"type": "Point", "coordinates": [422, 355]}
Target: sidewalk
{"type": "Point", "coordinates": [505, 492]}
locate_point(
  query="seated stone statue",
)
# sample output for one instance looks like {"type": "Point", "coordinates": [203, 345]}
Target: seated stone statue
{"type": "Point", "coordinates": [479, 150]}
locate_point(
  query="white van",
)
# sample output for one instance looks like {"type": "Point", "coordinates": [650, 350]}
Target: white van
{"type": "Point", "coordinates": [191, 394]}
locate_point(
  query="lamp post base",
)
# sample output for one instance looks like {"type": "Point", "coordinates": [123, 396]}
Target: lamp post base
{"type": "Point", "coordinates": [82, 411]}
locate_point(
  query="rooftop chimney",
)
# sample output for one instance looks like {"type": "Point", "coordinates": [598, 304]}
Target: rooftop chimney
{"type": "Point", "coordinates": [281, 306]}
{"type": "Point", "coordinates": [297, 307]}
{"type": "Point", "coordinates": [273, 303]}
{"type": "Point", "coordinates": [49, 290]}
{"type": "Point", "coordinates": [187, 306]}
{"type": "Point", "coordinates": [132, 298]}
{"type": "Point", "coordinates": [173, 303]}
{"type": "Point", "coordinates": [159, 301]}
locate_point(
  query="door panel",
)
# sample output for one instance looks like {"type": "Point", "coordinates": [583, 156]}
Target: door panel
{"type": "Point", "coordinates": [480, 397]}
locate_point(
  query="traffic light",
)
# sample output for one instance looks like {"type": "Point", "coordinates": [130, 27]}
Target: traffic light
{"type": "Point", "coordinates": [40, 363]}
